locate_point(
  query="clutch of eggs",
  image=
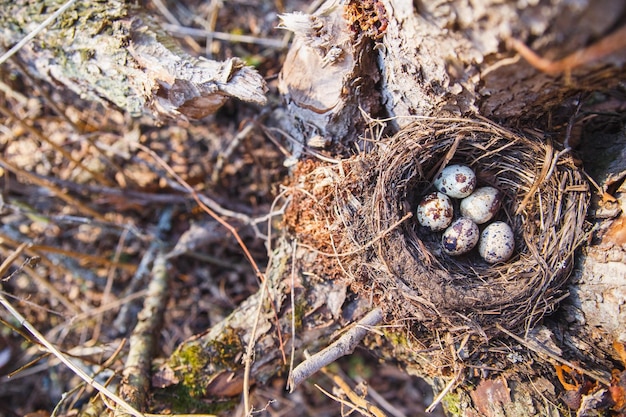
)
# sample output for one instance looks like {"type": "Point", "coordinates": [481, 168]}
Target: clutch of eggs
{"type": "Point", "coordinates": [478, 206]}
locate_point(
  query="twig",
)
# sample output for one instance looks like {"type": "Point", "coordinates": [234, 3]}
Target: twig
{"type": "Point", "coordinates": [63, 358]}
{"type": "Point", "coordinates": [106, 293]}
{"type": "Point", "coordinates": [341, 347]}
{"type": "Point", "coordinates": [293, 306]}
{"type": "Point", "coordinates": [351, 407]}
{"type": "Point", "coordinates": [8, 54]}
{"type": "Point", "coordinates": [451, 384]}
{"type": "Point", "coordinates": [177, 30]}
{"type": "Point", "coordinates": [121, 320]}
{"type": "Point", "coordinates": [603, 48]}
{"type": "Point", "coordinates": [136, 375]}
{"type": "Point", "coordinates": [11, 258]}
{"type": "Point", "coordinates": [359, 401]}
{"type": "Point", "coordinates": [247, 359]}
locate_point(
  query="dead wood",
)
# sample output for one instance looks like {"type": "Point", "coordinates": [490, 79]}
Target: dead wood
{"type": "Point", "coordinates": [113, 53]}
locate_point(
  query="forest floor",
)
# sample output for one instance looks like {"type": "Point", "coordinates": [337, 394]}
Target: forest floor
{"type": "Point", "coordinates": [95, 208]}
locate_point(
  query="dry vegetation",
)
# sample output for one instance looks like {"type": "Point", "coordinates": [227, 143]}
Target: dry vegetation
{"type": "Point", "coordinates": [95, 208]}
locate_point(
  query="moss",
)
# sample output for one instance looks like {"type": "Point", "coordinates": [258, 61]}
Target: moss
{"type": "Point", "coordinates": [452, 404]}
{"type": "Point", "coordinates": [195, 365]}
{"type": "Point", "coordinates": [226, 350]}
{"type": "Point", "coordinates": [298, 312]}
{"type": "Point", "coordinates": [189, 363]}
{"type": "Point", "coordinates": [358, 367]}
{"type": "Point", "coordinates": [179, 399]}
{"type": "Point", "coordinates": [396, 338]}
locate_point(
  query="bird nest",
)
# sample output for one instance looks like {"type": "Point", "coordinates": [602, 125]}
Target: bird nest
{"type": "Point", "coordinates": [358, 215]}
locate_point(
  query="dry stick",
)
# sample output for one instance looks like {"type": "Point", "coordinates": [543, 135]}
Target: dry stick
{"type": "Point", "coordinates": [603, 48]}
{"type": "Point", "coordinates": [85, 257]}
{"type": "Point", "coordinates": [136, 375]}
{"type": "Point", "coordinates": [71, 201]}
{"type": "Point", "coordinates": [125, 195]}
{"type": "Point", "coordinates": [445, 391]}
{"type": "Point", "coordinates": [293, 305]}
{"type": "Point", "coordinates": [356, 399]}
{"type": "Point", "coordinates": [121, 321]}
{"type": "Point", "coordinates": [177, 30]}
{"type": "Point", "coordinates": [351, 407]}
{"type": "Point", "coordinates": [247, 360]}
{"type": "Point", "coordinates": [106, 293]}
{"type": "Point", "coordinates": [11, 258]}
{"type": "Point", "coordinates": [535, 347]}
{"type": "Point", "coordinates": [53, 350]}
{"type": "Point", "coordinates": [341, 347]}
{"type": "Point", "coordinates": [174, 21]}
{"type": "Point", "coordinates": [82, 387]}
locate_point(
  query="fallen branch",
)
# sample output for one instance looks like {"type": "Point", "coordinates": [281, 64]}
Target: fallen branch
{"type": "Point", "coordinates": [341, 347]}
{"type": "Point", "coordinates": [135, 384]}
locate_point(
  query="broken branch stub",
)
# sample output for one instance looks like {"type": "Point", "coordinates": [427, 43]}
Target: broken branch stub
{"type": "Point", "coordinates": [192, 87]}
{"type": "Point", "coordinates": [328, 77]}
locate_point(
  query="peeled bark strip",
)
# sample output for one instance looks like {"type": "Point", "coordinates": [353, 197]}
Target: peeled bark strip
{"type": "Point", "coordinates": [329, 73]}
{"type": "Point", "coordinates": [108, 52]}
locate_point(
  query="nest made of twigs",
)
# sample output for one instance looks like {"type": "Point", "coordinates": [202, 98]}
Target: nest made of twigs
{"type": "Point", "coordinates": [364, 205]}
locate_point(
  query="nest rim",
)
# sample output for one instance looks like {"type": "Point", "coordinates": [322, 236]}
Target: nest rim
{"type": "Point", "coordinates": [545, 202]}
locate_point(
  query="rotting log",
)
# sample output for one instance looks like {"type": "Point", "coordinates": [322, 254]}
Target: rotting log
{"type": "Point", "coordinates": [112, 53]}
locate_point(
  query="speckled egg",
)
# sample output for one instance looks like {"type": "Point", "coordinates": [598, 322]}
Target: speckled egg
{"type": "Point", "coordinates": [435, 211]}
{"type": "Point", "coordinates": [456, 181]}
{"type": "Point", "coordinates": [481, 205]}
{"type": "Point", "coordinates": [497, 242]}
{"type": "Point", "coordinates": [460, 237]}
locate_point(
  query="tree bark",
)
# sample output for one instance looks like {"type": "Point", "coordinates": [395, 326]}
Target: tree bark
{"type": "Point", "coordinates": [111, 52]}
